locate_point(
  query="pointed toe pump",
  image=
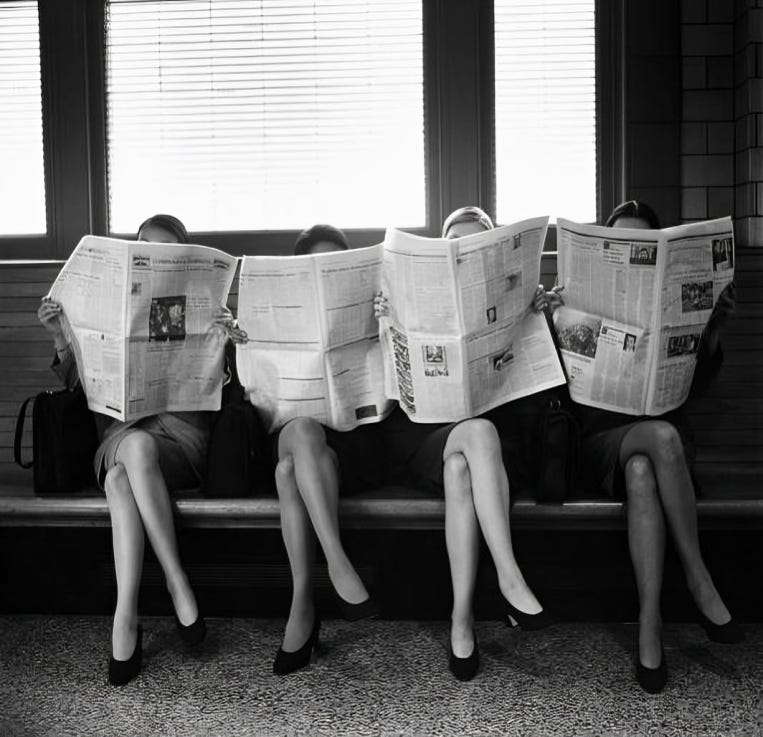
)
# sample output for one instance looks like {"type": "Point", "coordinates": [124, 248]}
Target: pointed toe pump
{"type": "Point", "coordinates": [194, 633]}
{"type": "Point", "coordinates": [464, 669]}
{"type": "Point", "coordinates": [123, 671]}
{"type": "Point", "coordinates": [288, 662]}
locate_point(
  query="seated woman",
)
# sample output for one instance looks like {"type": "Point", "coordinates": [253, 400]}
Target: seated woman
{"type": "Point", "coordinates": [647, 459]}
{"type": "Point", "coordinates": [313, 464]}
{"type": "Point", "coordinates": [137, 464]}
{"type": "Point", "coordinates": [463, 460]}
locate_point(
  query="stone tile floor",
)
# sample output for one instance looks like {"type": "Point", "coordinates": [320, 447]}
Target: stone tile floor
{"type": "Point", "coordinates": [373, 678]}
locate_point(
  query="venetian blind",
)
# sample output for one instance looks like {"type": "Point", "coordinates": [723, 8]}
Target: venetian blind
{"type": "Point", "coordinates": [245, 115]}
{"type": "Point", "coordinates": [545, 109]}
{"type": "Point", "coordinates": [22, 164]}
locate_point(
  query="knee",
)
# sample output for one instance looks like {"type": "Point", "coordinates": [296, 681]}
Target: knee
{"type": "Point", "coordinates": [300, 434]}
{"type": "Point", "coordinates": [669, 445]}
{"type": "Point", "coordinates": [284, 474]}
{"type": "Point", "coordinates": [116, 484]}
{"type": "Point", "coordinates": [456, 480]}
{"type": "Point", "coordinates": [479, 435]}
{"type": "Point", "coordinates": [639, 477]}
{"type": "Point", "coordinates": [137, 449]}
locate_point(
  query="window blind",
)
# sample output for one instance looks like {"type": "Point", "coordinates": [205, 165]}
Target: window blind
{"type": "Point", "coordinates": [243, 115]}
{"type": "Point", "coordinates": [545, 109]}
{"type": "Point", "coordinates": [22, 163]}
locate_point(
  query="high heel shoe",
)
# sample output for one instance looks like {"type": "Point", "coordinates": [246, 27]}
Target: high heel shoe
{"type": "Point", "coordinates": [194, 633]}
{"type": "Point", "coordinates": [123, 671]}
{"type": "Point", "coordinates": [729, 633]}
{"type": "Point", "coordinates": [366, 609]}
{"type": "Point", "coordinates": [538, 621]}
{"type": "Point", "coordinates": [464, 669]}
{"type": "Point", "coordinates": [652, 680]}
{"type": "Point", "coordinates": [288, 662]}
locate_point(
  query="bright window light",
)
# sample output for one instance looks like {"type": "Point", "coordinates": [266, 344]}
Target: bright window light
{"type": "Point", "coordinates": [545, 109]}
{"type": "Point", "coordinates": [277, 114]}
{"type": "Point", "coordinates": [22, 163]}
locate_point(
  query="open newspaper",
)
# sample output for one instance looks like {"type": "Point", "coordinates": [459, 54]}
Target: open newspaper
{"type": "Point", "coordinates": [636, 303]}
{"type": "Point", "coordinates": [139, 318]}
{"type": "Point", "coordinates": [460, 337]}
{"type": "Point", "coordinates": [313, 348]}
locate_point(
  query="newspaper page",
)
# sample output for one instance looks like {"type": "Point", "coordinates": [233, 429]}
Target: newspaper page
{"type": "Point", "coordinates": [460, 337]}
{"type": "Point", "coordinates": [313, 348]}
{"type": "Point", "coordinates": [139, 317]}
{"type": "Point", "coordinates": [628, 341]}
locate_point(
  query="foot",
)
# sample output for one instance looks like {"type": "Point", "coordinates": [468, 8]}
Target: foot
{"type": "Point", "coordinates": [650, 642]}
{"type": "Point", "coordinates": [709, 602]}
{"type": "Point", "coordinates": [518, 594]}
{"type": "Point", "coordinates": [299, 626]}
{"type": "Point", "coordinates": [124, 636]}
{"type": "Point", "coordinates": [184, 601]}
{"type": "Point", "coordinates": [348, 585]}
{"type": "Point", "coordinates": [462, 637]}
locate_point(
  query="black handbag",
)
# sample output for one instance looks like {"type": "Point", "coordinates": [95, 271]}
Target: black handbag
{"type": "Point", "coordinates": [559, 437]}
{"type": "Point", "coordinates": [64, 441]}
{"type": "Point", "coordinates": [239, 462]}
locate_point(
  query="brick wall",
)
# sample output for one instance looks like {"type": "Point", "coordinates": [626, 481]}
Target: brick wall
{"type": "Point", "coordinates": [748, 115]}
{"type": "Point", "coordinates": [707, 128]}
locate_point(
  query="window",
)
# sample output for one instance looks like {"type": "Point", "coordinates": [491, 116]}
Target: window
{"type": "Point", "coordinates": [240, 115]}
{"type": "Point", "coordinates": [22, 163]}
{"type": "Point", "coordinates": [545, 109]}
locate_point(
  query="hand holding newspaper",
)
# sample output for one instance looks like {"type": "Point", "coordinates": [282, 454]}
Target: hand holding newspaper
{"type": "Point", "coordinates": [460, 337]}
{"type": "Point", "coordinates": [636, 304]}
{"type": "Point", "coordinates": [139, 318]}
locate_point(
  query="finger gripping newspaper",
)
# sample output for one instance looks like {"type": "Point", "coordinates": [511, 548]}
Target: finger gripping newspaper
{"type": "Point", "coordinates": [461, 336]}
{"type": "Point", "coordinates": [313, 348]}
{"type": "Point", "coordinates": [139, 318]}
{"type": "Point", "coordinates": [636, 304]}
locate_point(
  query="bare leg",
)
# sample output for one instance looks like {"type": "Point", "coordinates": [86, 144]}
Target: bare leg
{"type": "Point", "coordinates": [462, 541]}
{"type": "Point", "coordinates": [299, 539]}
{"type": "Point", "coordinates": [661, 442]}
{"type": "Point", "coordinates": [128, 541]}
{"type": "Point", "coordinates": [477, 440]}
{"type": "Point", "coordinates": [315, 471]}
{"type": "Point", "coordinates": [646, 540]}
{"type": "Point", "coordinates": [138, 454]}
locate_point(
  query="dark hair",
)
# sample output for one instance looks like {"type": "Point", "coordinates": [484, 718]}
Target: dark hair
{"type": "Point", "coordinates": [169, 223]}
{"type": "Point", "coordinates": [468, 214]}
{"type": "Point", "coordinates": [634, 209]}
{"type": "Point", "coordinates": [308, 238]}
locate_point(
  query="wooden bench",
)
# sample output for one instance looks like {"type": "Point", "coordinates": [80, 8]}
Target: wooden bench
{"type": "Point", "coordinates": [728, 424]}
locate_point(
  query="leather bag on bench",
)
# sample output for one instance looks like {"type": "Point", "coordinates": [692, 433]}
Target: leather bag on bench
{"type": "Point", "coordinates": [64, 441]}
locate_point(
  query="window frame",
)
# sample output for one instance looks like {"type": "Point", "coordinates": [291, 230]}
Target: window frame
{"type": "Point", "coordinates": [458, 123]}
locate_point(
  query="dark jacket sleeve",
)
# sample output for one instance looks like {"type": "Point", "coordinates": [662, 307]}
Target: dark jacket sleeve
{"type": "Point", "coordinates": [707, 368]}
{"type": "Point", "coordinates": [65, 368]}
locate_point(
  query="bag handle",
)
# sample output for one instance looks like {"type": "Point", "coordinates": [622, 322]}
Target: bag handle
{"type": "Point", "coordinates": [19, 432]}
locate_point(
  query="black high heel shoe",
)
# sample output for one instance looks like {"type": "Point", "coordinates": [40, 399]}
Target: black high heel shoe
{"type": "Point", "coordinates": [288, 662]}
{"type": "Point", "coordinates": [729, 633]}
{"type": "Point", "coordinates": [366, 609]}
{"type": "Point", "coordinates": [123, 671]}
{"type": "Point", "coordinates": [652, 680]}
{"type": "Point", "coordinates": [526, 621]}
{"type": "Point", "coordinates": [464, 669]}
{"type": "Point", "coordinates": [194, 633]}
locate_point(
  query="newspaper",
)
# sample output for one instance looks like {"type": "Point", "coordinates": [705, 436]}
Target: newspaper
{"type": "Point", "coordinates": [139, 318]}
{"type": "Point", "coordinates": [461, 337]}
{"type": "Point", "coordinates": [313, 348]}
{"type": "Point", "coordinates": [636, 303]}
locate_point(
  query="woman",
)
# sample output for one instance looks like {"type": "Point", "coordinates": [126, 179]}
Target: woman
{"type": "Point", "coordinates": [647, 459]}
{"type": "Point", "coordinates": [464, 461]}
{"type": "Point", "coordinates": [313, 464]}
{"type": "Point", "coordinates": [137, 464]}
